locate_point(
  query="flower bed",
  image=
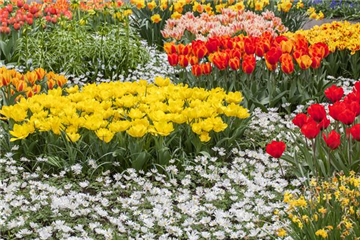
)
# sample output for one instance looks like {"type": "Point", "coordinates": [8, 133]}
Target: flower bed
{"type": "Point", "coordinates": [342, 39]}
{"type": "Point", "coordinates": [228, 23]}
{"type": "Point", "coordinates": [119, 113]}
{"type": "Point", "coordinates": [86, 157]}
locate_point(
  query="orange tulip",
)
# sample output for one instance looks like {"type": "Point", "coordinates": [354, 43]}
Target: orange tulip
{"type": "Point", "coordinates": [51, 83]}
{"type": "Point", "coordinates": [196, 70]}
{"type": "Point", "coordinates": [36, 89]}
{"type": "Point", "coordinates": [206, 68]}
{"type": "Point", "coordinates": [320, 50]}
{"type": "Point", "coordinates": [248, 64]}
{"type": "Point", "coordinates": [194, 60]}
{"type": "Point", "coordinates": [234, 63]}
{"type": "Point", "coordinates": [270, 66]}
{"type": "Point", "coordinates": [287, 64]}
{"type": "Point", "coordinates": [315, 62]}
{"type": "Point", "coordinates": [170, 47]}
{"type": "Point", "coordinates": [260, 49]}
{"type": "Point", "coordinates": [249, 45]}
{"type": "Point", "coordinates": [199, 49]}
{"type": "Point", "coordinates": [5, 79]}
{"type": "Point", "coordinates": [235, 53]}
{"type": "Point", "coordinates": [304, 62]}
{"type": "Point", "coordinates": [31, 77]}
{"type": "Point", "coordinates": [183, 61]}
{"type": "Point", "coordinates": [40, 73]}
{"type": "Point", "coordinates": [20, 86]}
{"type": "Point", "coordinates": [60, 80]}
{"type": "Point", "coordinates": [220, 60]}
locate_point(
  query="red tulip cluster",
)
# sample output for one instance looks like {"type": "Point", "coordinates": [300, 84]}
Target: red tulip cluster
{"type": "Point", "coordinates": [342, 110]}
{"type": "Point", "coordinates": [18, 12]}
{"type": "Point", "coordinates": [239, 52]}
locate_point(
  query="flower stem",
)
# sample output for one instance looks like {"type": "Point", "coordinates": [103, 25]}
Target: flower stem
{"type": "Point", "coordinates": [314, 157]}
{"type": "Point", "coordinates": [281, 169]}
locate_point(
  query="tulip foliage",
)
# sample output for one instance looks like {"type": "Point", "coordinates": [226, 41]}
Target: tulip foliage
{"type": "Point", "coordinates": [140, 124]}
{"type": "Point", "coordinates": [330, 139]}
{"type": "Point", "coordinates": [268, 70]}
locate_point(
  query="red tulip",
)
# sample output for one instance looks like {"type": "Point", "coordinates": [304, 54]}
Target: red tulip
{"type": "Point", "coordinates": [324, 124]}
{"type": "Point", "coordinates": [248, 64]}
{"type": "Point", "coordinates": [320, 50]}
{"type": "Point", "coordinates": [355, 132]}
{"type": "Point", "coordinates": [173, 59]}
{"type": "Point", "coordinates": [347, 117]}
{"type": "Point", "coordinates": [17, 26]}
{"type": "Point", "coordinates": [275, 149]}
{"type": "Point", "coordinates": [20, 3]}
{"type": "Point", "coordinates": [332, 140]}
{"type": "Point", "coordinates": [269, 66]}
{"type": "Point", "coordinates": [29, 21]}
{"type": "Point", "coordinates": [300, 119]}
{"type": "Point", "coordinates": [354, 107]}
{"type": "Point", "coordinates": [249, 45]}
{"type": "Point", "coordinates": [199, 49]}
{"type": "Point", "coordinates": [205, 68]}
{"type": "Point", "coordinates": [310, 130]}
{"type": "Point", "coordinates": [196, 70]}
{"type": "Point", "coordinates": [212, 45]}
{"type": "Point", "coordinates": [234, 63]}
{"type": "Point", "coordinates": [336, 109]}
{"type": "Point", "coordinates": [273, 55]}
{"type": "Point", "coordinates": [260, 49]}
{"type": "Point", "coordinates": [183, 61]}
{"type": "Point", "coordinates": [317, 112]}
{"type": "Point", "coordinates": [235, 53]}
{"type": "Point", "coordinates": [9, 8]}
{"type": "Point", "coordinates": [334, 93]}
{"type": "Point", "coordinates": [220, 60]}
{"type": "Point", "coordinates": [315, 62]}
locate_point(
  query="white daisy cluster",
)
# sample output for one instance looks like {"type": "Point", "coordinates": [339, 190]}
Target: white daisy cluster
{"type": "Point", "coordinates": [209, 199]}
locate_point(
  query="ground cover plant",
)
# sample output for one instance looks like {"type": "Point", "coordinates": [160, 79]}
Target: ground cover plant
{"type": "Point", "coordinates": [178, 120]}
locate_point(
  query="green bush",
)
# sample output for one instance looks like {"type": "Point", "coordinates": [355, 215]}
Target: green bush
{"type": "Point", "coordinates": [78, 50]}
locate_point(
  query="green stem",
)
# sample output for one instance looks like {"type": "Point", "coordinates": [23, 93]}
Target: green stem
{"type": "Point", "coordinates": [314, 157]}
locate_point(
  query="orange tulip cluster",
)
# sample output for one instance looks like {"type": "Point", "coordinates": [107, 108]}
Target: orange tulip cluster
{"type": "Point", "coordinates": [31, 82]}
{"type": "Point", "coordinates": [241, 51]}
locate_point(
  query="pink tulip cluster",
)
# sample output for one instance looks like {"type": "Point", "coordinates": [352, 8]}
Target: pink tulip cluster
{"type": "Point", "coordinates": [228, 23]}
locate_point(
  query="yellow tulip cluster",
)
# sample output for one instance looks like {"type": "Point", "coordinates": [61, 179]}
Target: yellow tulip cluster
{"type": "Point", "coordinates": [337, 35]}
{"type": "Point", "coordinates": [136, 108]}
{"type": "Point", "coordinates": [199, 6]}
{"type": "Point", "coordinates": [339, 199]}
